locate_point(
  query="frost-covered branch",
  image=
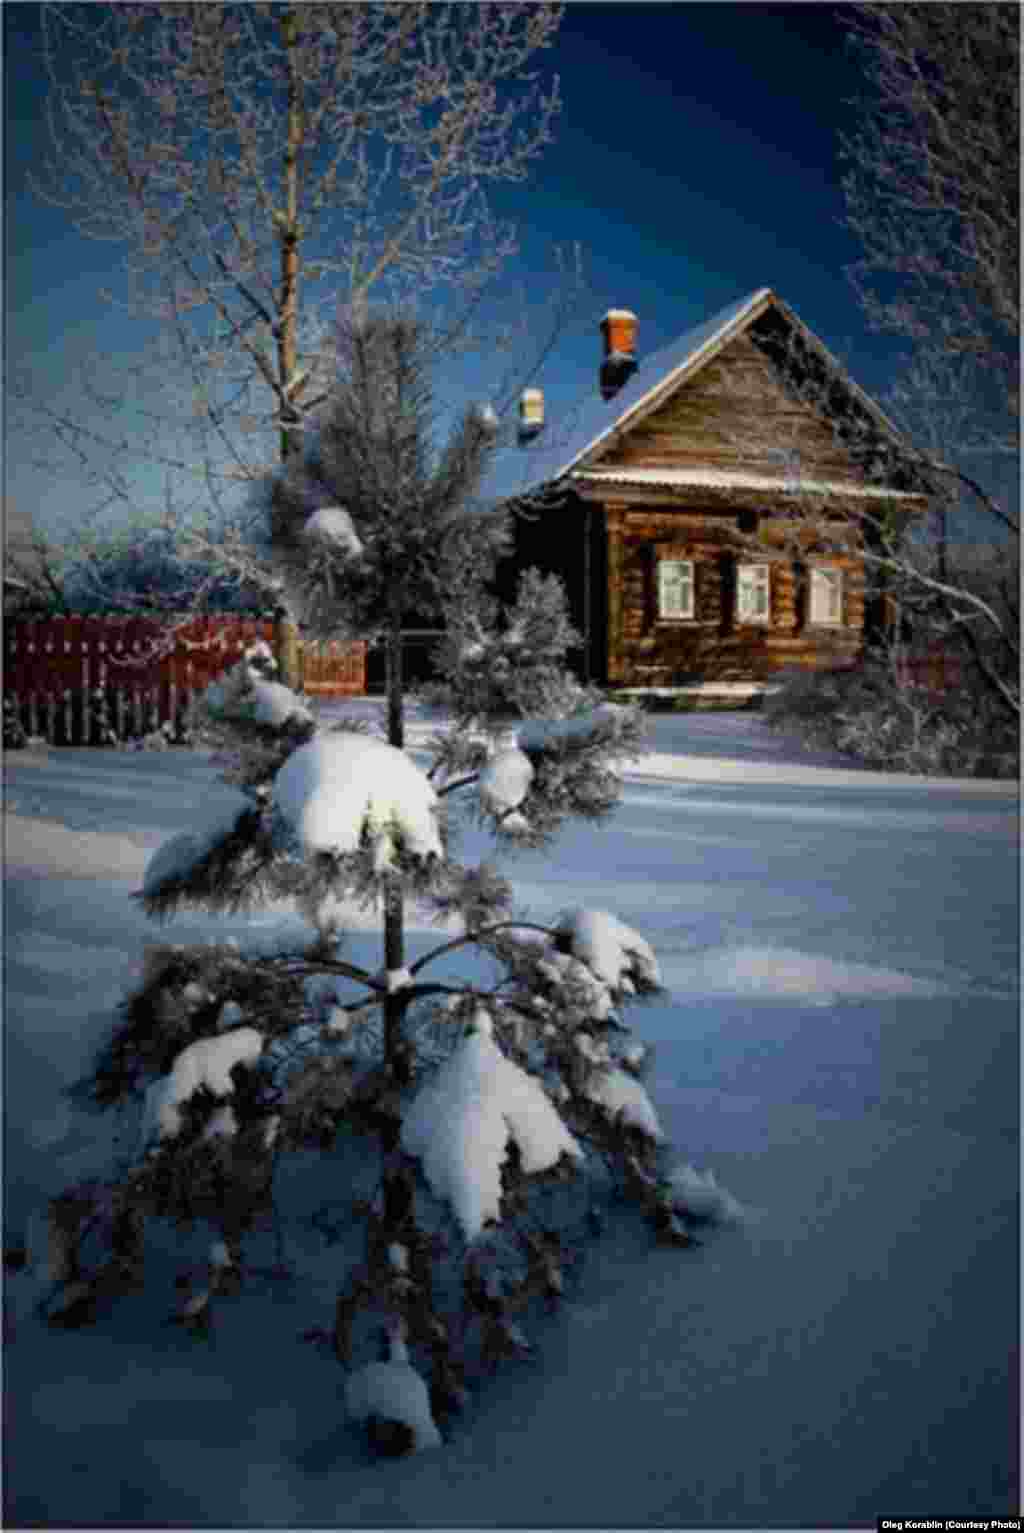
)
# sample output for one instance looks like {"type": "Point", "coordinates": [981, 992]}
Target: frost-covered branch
{"type": "Point", "coordinates": [257, 164]}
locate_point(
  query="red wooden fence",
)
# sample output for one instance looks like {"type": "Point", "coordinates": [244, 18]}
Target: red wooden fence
{"type": "Point", "coordinates": [59, 672]}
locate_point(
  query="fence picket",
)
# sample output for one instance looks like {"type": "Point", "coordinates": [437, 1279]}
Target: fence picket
{"type": "Point", "coordinates": [86, 710]}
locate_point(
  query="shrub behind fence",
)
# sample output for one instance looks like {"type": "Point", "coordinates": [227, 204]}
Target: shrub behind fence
{"type": "Point", "coordinates": [73, 679]}
{"type": "Point", "coordinates": [937, 671]}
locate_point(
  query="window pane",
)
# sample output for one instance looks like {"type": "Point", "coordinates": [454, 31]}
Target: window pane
{"type": "Point", "coordinates": [675, 588]}
{"type": "Point", "coordinates": [753, 592]}
{"type": "Point", "coordinates": [826, 596]}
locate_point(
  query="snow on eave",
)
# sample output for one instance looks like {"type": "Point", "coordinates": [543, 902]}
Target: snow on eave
{"type": "Point", "coordinates": [755, 305]}
{"type": "Point", "coordinates": [710, 478]}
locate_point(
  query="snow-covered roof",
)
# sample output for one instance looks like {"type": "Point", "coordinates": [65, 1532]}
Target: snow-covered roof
{"type": "Point", "coordinates": [727, 479]}
{"type": "Point", "coordinates": [558, 450]}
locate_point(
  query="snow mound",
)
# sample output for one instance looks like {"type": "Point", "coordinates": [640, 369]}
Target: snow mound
{"type": "Point", "coordinates": [341, 787]}
{"type": "Point", "coordinates": [461, 1123]}
{"type": "Point", "coordinates": [207, 1062]}
{"type": "Point", "coordinates": [393, 1391]}
{"type": "Point", "coordinates": [698, 1193]}
{"type": "Point", "coordinates": [333, 526]}
{"type": "Point", "coordinates": [623, 1095]}
{"type": "Point", "coordinates": [766, 972]}
{"type": "Point", "coordinates": [178, 856]}
{"type": "Point", "coordinates": [618, 955]}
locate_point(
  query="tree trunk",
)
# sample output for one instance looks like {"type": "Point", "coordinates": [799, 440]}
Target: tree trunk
{"type": "Point", "coordinates": [288, 224]}
{"type": "Point", "coordinates": [395, 685]}
{"type": "Point", "coordinates": [289, 667]}
{"type": "Point", "coordinates": [394, 913]}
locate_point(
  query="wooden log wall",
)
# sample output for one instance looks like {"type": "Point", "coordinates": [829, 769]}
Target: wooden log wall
{"type": "Point", "coordinates": [714, 645]}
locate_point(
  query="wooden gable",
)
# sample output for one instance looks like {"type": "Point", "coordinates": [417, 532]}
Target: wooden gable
{"type": "Point", "coordinates": [735, 414]}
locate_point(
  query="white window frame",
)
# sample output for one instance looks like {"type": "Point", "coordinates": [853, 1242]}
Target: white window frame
{"type": "Point", "coordinates": [826, 604]}
{"type": "Point", "coordinates": [752, 579]}
{"type": "Point", "coordinates": [668, 586]}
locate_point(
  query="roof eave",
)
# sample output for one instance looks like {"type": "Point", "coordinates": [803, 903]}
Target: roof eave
{"type": "Point", "coordinates": [599, 489]}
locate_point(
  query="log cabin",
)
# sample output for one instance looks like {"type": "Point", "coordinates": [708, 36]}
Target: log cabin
{"type": "Point", "coordinates": [708, 507]}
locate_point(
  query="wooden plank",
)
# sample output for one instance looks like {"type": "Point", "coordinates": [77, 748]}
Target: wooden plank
{"type": "Point", "coordinates": [736, 414]}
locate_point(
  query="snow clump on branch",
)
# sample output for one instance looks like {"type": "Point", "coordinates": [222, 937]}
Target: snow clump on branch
{"type": "Point", "coordinates": [393, 1392]}
{"type": "Point", "coordinates": [342, 788]}
{"type": "Point", "coordinates": [207, 1062]}
{"type": "Point", "coordinates": [462, 1123]}
{"type": "Point", "coordinates": [698, 1194]}
{"type": "Point", "coordinates": [504, 783]}
{"type": "Point", "coordinates": [611, 950]}
{"type": "Point", "coordinates": [333, 527]}
{"type": "Point", "coordinates": [623, 1097]}
{"type": "Point", "coordinates": [244, 695]}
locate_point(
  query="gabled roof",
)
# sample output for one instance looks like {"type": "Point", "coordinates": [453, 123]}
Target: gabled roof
{"type": "Point", "coordinates": [563, 445]}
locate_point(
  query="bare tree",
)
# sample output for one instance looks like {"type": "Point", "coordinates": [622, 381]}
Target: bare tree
{"type": "Point", "coordinates": [894, 514]}
{"type": "Point", "coordinates": [933, 186]}
{"type": "Point", "coordinates": [35, 570]}
{"type": "Point", "coordinates": [262, 163]}
{"type": "Point", "coordinates": [933, 196]}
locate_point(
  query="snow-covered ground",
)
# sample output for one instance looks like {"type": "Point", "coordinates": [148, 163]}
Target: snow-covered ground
{"type": "Point", "coordinates": [839, 1046]}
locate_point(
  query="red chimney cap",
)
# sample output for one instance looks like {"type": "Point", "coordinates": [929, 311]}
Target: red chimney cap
{"type": "Point", "coordinates": [619, 329]}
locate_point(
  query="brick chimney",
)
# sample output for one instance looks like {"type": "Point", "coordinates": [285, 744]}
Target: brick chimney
{"type": "Point", "coordinates": [531, 414]}
{"type": "Point", "coordinates": [619, 330]}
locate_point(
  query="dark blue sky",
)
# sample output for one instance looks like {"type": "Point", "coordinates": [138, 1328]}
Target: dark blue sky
{"type": "Point", "coordinates": [696, 159]}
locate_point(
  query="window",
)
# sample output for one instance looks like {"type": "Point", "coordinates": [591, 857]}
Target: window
{"type": "Point", "coordinates": [675, 588]}
{"type": "Point", "coordinates": [827, 597]}
{"type": "Point", "coordinates": [753, 593]}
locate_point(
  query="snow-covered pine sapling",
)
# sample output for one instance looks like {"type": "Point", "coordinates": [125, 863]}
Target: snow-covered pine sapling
{"type": "Point", "coordinates": [491, 1077]}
